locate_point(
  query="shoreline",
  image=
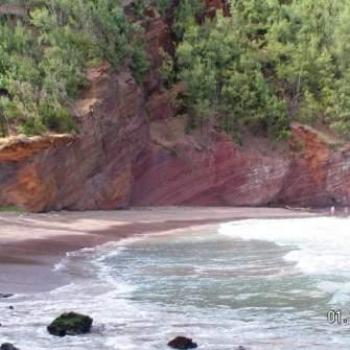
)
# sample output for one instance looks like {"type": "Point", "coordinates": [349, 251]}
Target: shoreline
{"type": "Point", "coordinates": [31, 244]}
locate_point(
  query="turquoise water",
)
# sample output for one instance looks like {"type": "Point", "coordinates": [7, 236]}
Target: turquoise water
{"type": "Point", "coordinates": [263, 284]}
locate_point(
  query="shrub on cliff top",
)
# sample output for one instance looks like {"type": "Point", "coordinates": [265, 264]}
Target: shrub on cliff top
{"type": "Point", "coordinates": [44, 55]}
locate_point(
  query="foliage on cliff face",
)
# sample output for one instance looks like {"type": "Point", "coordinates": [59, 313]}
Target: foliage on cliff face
{"type": "Point", "coordinates": [269, 63]}
{"type": "Point", "coordinates": [45, 52]}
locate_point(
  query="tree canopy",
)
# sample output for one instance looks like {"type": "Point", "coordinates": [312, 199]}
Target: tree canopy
{"type": "Point", "coordinates": [269, 63]}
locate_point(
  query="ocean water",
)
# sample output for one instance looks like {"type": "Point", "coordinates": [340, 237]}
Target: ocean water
{"type": "Point", "coordinates": [262, 284]}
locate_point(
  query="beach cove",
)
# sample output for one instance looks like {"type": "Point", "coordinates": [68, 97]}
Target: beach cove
{"type": "Point", "coordinates": [31, 244]}
{"type": "Point", "coordinates": [225, 277]}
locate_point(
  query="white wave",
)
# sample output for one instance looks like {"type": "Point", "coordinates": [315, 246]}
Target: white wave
{"type": "Point", "coordinates": [318, 245]}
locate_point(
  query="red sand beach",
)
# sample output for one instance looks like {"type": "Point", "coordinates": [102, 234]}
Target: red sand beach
{"type": "Point", "coordinates": [31, 244]}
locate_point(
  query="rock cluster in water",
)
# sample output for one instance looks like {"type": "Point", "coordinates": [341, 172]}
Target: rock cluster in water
{"type": "Point", "coordinates": [70, 324]}
{"type": "Point", "coordinates": [73, 323]}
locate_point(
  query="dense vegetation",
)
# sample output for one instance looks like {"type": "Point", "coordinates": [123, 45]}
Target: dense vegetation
{"type": "Point", "coordinates": [269, 63]}
{"type": "Point", "coordinates": [45, 51]}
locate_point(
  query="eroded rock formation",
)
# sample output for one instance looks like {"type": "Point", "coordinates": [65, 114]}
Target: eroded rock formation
{"type": "Point", "coordinates": [132, 150]}
{"type": "Point", "coordinates": [89, 171]}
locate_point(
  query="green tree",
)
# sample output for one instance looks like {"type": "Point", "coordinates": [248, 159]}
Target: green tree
{"type": "Point", "coordinates": [225, 78]}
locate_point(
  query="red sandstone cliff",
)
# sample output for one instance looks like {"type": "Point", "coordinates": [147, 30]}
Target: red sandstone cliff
{"type": "Point", "coordinates": [133, 151]}
{"type": "Point", "coordinates": [89, 171]}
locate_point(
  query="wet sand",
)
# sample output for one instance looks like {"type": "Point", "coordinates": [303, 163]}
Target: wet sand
{"type": "Point", "coordinates": [31, 244]}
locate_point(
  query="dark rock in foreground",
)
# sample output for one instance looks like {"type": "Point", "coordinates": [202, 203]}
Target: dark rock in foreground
{"type": "Point", "coordinates": [5, 295]}
{"type": "Point", "coordinates": [182, 343]}
{"type": "Point", "coordinates": [8, 346]}
{"type": "Point", "coordinates": [70, 324]}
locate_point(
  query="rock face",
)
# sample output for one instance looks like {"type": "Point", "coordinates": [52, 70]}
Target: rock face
{"type": "Point", "coordinates": [208, 170]}
{"type": "Point", "coordinates": [319, 170]}
{"type": "Point", "coordinates": [182, 343]}
{"type": "Point", "coordinates": [126, 156]}
{"type": "Point", "coordinates": [313, 171]}
{"type": "Point", "coordinates": [89, 171]}
{"type": "Point", "coordinates": [70, 324]}
{"type": "Point", "coordinates": [132, 150]}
